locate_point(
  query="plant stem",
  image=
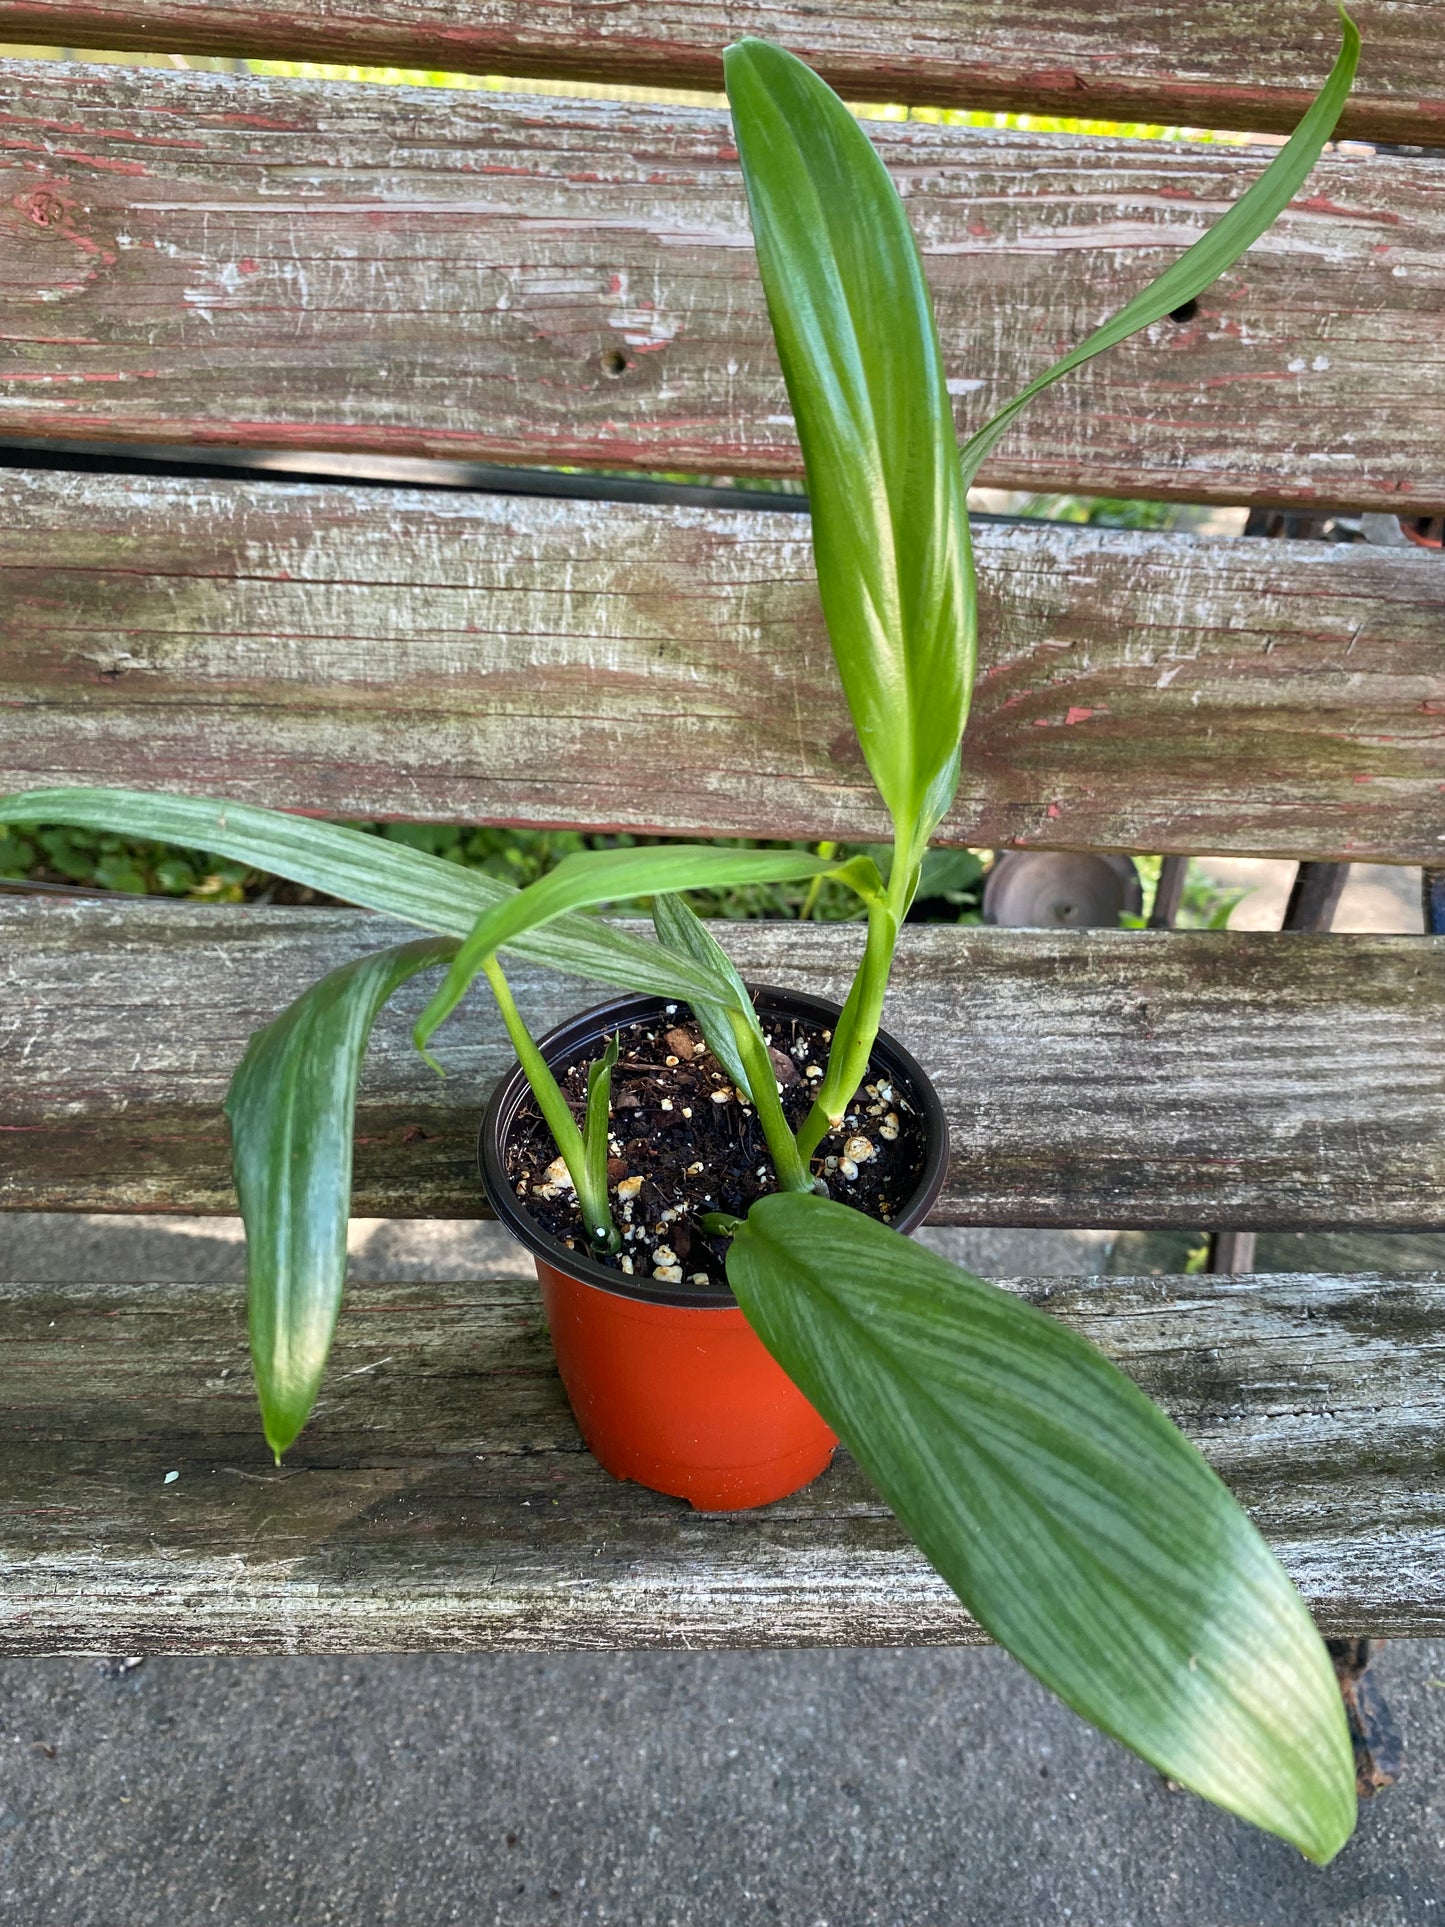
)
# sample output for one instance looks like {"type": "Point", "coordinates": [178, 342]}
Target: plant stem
{"type": "Point", "coordinates": [789, 1166]}
{"type": "Point", "coordinates": [824, 850]}
{"type": "Point", "coordinates": [596, 1212]}
{"type": "Point", "coordinates": [857, 1026]}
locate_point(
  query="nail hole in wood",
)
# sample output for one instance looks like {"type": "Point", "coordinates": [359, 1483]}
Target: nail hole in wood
{"type": "Point", "coordinates": [614, 362]}
{"type": "Point", "coordinates": [1186, 311]}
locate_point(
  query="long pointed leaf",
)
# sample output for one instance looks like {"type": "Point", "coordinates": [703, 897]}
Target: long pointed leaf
{"type": "Point", "coordinates": [594, 877]}
{"type": "Point", "coordinates": [1210, 255]}
{"type": "Point", "coordinates": [856, 337]}
{"type": "Point", "coordinates": [366, 870]}
{"type": "Point", "coordinates": [679, 929]}
{"type": "Point", "coordinates": [1075, 1523]}
{"type": "Point", "coordinates": [292, 1106]}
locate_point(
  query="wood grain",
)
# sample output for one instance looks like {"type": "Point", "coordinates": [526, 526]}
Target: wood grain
{"type": "Point", "coordinates": [1090, 1077]}
{"type": "Point", "coordinates": [480, 658]}
{"type": "Point", "coordinates": [441, 1499]}
{"type": "Point", "coordinates": [1249, 65]}
{"type": "Point", "coordinates": [194, 257]}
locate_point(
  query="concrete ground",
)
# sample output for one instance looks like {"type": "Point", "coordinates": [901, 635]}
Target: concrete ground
{"type": "Point", "coordinates": [817, 1789]}
{"type": "Point", "coordinates": [925, 1789]}
{"type": "Point", "coordinates": [1376, 896]}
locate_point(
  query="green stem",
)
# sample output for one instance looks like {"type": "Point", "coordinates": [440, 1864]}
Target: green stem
{"type": "Point", "coordinates": [824, 850]}
{"type": "Point", "coordinates": [857, 1027]}
{"type": "Point", "coordinates": [596, 1211]}
{"type": "Point", "coordinates": [789, 1166]}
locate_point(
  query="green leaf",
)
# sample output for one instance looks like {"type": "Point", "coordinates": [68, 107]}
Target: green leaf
{"type": "Point", "coordinates": [949, 873]}
{"type": "Point", "coordinates": [368, 870]}
{"type": "Point", "coordinates": [1072, 1519]}
{"type": "Point", "coordinates": [603, 876]}
{"type": "Point", "coordinates": [678, 929]}
{"type": "Point", "coordinates": [292, 1107]}
{"type": "Point", "coordinates": [595, 1128]}
{"type": "Point", "coordinates": [856, 337]}
{"type": "Point", "coordinates": [1210, 255]}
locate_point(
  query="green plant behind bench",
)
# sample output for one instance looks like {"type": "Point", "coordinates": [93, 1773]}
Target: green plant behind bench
{"type": "Point", "coordinates": [1076, 1523]}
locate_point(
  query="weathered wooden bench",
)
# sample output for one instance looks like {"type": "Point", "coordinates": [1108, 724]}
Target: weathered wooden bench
{"type": "Point", "coordinates": [288, 265]}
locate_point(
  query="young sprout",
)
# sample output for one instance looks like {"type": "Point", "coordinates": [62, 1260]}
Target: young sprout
{"type": "Point", "coordinates": [592, 1191]}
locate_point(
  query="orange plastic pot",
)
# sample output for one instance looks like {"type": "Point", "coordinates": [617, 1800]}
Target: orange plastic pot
{"type": "Point", "coordinates": [671, 1386]}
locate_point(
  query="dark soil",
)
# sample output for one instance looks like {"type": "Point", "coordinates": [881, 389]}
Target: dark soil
{"type": "Point", "coordinates": [681, 1149]}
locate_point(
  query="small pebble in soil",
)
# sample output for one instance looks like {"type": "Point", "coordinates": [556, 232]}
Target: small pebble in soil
{"type": "Point", "coordinates": [859, 1149]}
{"type": "Point", "coordinates": [812, 1070]}
{"type": "Point", "coordinates": [667, 1274]}
{"type": "Point", "coordinates": [847, 1169]}
{"type": "Point", "coordinates": [888, 1129]}
{"type": "Point", "coordinates": [724, 1096]}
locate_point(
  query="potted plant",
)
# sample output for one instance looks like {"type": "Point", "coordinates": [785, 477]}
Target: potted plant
{"type": "Point", "coordinates": [1079, 1527]}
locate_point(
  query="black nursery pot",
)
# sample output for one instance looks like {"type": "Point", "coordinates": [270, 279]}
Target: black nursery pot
{"type": "Point", "coordinates": [670, 1384]}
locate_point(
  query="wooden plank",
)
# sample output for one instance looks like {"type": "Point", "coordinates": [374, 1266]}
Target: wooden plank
{"type": "Point", "coordinates": [1251, 65]}
{"type": "Point", "coordinates": [384, 653]}
{"type": "Point", "coordinates": [1090, 1077]}
{"type": "Point", "coordinates": [441, 1499]}
{"type": "Point", "coordinates": [191, 257]}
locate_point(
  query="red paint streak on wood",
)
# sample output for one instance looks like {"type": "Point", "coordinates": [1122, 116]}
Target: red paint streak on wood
{"type": "Point", "coordinates": [1322, 204]}
{"type": "Point", "coordinates": [102, 162]}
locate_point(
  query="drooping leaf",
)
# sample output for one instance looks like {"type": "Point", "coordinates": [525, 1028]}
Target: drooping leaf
{"type": "Point", "coordinates": [592, 877]}
{"type": "Point", "coordinates": [855, 333]}
{"type": "Point", "coordinates": [366, 870]}
{"type": "Point", "coordinates": [292, 1106]}
{"type": "Point", "coordinates": [1078, 1526]}
{"type": "Point", "coordinates": [679, 929]}
{"type": "Point", "coordinates": [1210, 255]}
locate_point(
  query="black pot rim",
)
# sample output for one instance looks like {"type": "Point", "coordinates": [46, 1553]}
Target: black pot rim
{"type": "Point", "coordinates": [567, 1039]}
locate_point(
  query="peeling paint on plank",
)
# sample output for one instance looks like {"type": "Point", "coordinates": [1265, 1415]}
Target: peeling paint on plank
{"type": "Point", "coordinates": [1104, 1078]}
{"type": "Point", "coordinates": [441, 1499]}
{"type": "Point", "coordinates": [1248, 66]}
{"type": "Point", "coordinates": [435, 274]}
{"type": "Point", "coordinates": [378, 654]}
